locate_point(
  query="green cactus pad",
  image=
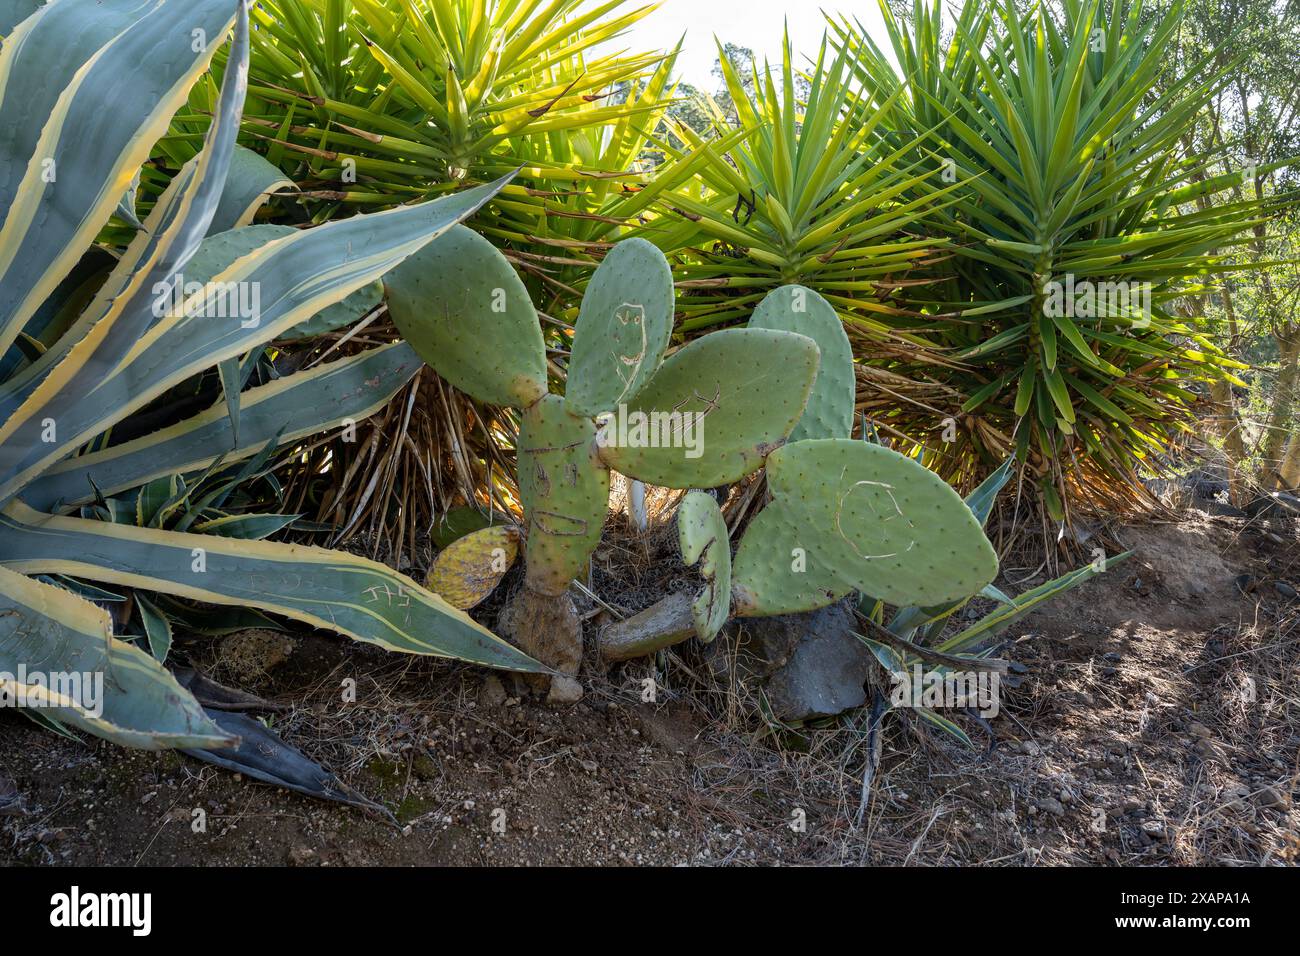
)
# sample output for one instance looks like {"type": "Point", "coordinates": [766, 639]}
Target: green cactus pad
{"type": "Point", "coordinates": [749, 386]}
{"type": "Point", "coordinates": [622, 329]}
{"type": "Point", "coordinates": [794, 308]}
{"type": "Point", "coordinates": [848, 515]}
{"type": "Point", "coordinates": [565, 492]}
{"type": "Point", "coordinates": [464, 310]}
{"type": "Point", "coordinates": [702, 534]}
{"type": "Point", "coordinates": [219, 250]}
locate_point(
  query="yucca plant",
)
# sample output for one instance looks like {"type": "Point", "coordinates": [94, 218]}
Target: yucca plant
{"type": "Point", "coordinates": [517, 85]}
{"type": "Point", "coordinates": [806, 196]}
{"type": "Point", "coordinates": [66, 159]}
{"type": "Point", "coordinates": [370, 104]}
{"type": "Point", "coordinates": [1076, 229]}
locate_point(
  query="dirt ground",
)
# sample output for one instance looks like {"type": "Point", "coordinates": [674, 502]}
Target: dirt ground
{"type": "Point", "coordinates": [1158, 723]}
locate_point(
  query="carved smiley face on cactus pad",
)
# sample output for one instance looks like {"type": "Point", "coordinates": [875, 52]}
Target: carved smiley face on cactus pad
{"type": "Point", "coordinates": [622, 329]}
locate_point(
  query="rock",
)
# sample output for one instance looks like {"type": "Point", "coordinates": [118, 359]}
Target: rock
{"type": "Point", "coordinates": [1219, 508]}
{"type": "Point", "coordinates": [717, 655]}
{"type": "Point", "coordinates": [492, 694]}
{"type": "Point", "coordinates": [818, 666]}
{"type": "Point", "coordinates": [1285, 590]}
{"type": "Point", "coordinates": [1154, 829]}
{"type": "Point", "coordinates": [301, 856]}
{"type": "Point", "coordinates": [564, 691]}
{"type": "Point", "coordinates": [1234, 799]}
{"type": "Point", "coordinates": [1051, 805]}
{"type": "Point", "coordinates": [1208, 750]}
{"type": "Point", "coordinates": [1273, 798]}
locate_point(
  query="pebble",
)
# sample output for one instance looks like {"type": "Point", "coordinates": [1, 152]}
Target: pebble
{"type": "Point", "coordinates": [564, 690]}
{"type": "Point", "coordinates": [1051, 805]}
{"type": "Point", "coordinates": [1272, 797]}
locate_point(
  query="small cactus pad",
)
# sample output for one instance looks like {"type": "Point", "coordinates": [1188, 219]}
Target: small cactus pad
{"type": "Point", "coordinates": [794, 308]}
{"type": "Point", "coordinates": [702, 534]}
{"type": "Point", "coordinates": [622, 329]}
{"type": "Point", "coordinates": [470, 568]}
{"type": "Point", "coordinates": [715, 409]}
{"type": "Point", "coordinates": [565, 492]}
{"type": "Point", "coordinates": [218, 251]}
{"type": "Point", "coordinates": [847, 515]}
{"type": "Point", "coordinates": [464, 310]}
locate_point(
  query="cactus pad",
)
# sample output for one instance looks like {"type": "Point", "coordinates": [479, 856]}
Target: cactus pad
{"type": "Point", "coordinates": [565, 492]}
{"type": "Point", "coordinates": [715, 409]}
{"type": "Point", "coordinates": [470, 568]}
{"type": "Point", "coordinates": [702, 534]}
{"type": "Point", "coordinates": [622, 329]}
{"type": "Point", "coordinates": [464, 310]}
{"type": "Point", "coordinates": [848, 515]}
{"type": "Point", "coordinates": [794, 308]}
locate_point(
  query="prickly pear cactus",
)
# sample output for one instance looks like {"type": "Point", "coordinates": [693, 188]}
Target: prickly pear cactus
{"type": "Point", "coordinates": [565, 493]}
{"type": "Point", "coordinates": [702, 535]}
{"type": "Point", "coordinates": [622, 328]}
{"type": "Point", "coordinates": [794, 308]}
{"type": "Point", "coordinates": [848, 515]}
{"type": "Point", "coordinates": [709, 415]}
{"type": "Point", "coordinates": [465, 311]}
{"type": "Point", "coordinates": [725, 402]}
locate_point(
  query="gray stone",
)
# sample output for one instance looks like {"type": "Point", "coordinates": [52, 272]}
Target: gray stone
{"type": "Point", "coordinates": [1051, 805]}
{"type": "Point", "coordinates": [1273, 798]}
{"type": "Point", "coordinates": [564, 690]}
{"type": "Point", "coordinates": [817, 666]}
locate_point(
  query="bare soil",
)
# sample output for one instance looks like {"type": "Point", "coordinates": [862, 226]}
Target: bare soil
{"type": "Point", "coordinates": [1158, 724]}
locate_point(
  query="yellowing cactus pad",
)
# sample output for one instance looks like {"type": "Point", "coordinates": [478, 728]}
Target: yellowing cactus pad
{"type": "Point", "coordinates": [470, 568]}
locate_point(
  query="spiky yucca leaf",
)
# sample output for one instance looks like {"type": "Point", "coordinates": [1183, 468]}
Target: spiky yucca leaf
{"type": "Point", "coordinates": [806, 197]}
{"type": "Point", "coordinates": [368, 104]}
{"type": "Point", "coordinates": [1076, 229]}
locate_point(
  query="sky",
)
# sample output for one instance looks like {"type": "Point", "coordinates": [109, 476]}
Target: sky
{"type": "Point", "coordinates": [756, 24]}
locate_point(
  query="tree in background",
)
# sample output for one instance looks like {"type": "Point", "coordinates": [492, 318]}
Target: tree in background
{"type": "Point", "coordinates": [1253, 120]}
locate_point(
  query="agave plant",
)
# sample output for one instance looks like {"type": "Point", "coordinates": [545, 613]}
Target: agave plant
{"type": "Point", "coordinates": [1076, 229]}
{"type": "Point", "coordinates": [65, 162]}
